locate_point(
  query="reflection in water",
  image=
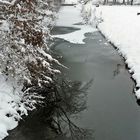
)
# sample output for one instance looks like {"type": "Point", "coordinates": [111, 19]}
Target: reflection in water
{"type": "Point", "coordinates": [71, 97]}
{"type": "Point", "coordinates": [118, 70]}
{"type": "Point", "coordinates": [63, 30]}
{"type": "Point", "coordinates": [53, 121]}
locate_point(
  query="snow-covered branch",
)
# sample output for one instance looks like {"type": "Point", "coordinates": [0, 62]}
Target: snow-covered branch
{"type": "Point", "coordinates": [24, 54]}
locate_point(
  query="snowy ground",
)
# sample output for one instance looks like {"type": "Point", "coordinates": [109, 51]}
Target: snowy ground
{"type": "Point", "coordinates": [69, 16]}
{"type": "Point", "coordinates": [11, 107]}
{"type": "Point", "coordinates": [121, 26]}
{"type": "Point", "coordinates": [71, 1]}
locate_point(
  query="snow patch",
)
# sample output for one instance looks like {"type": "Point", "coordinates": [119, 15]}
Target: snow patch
{"type": "Point", "coordinates": [70, 16]}
{"type": "Point", "coordinates": [77, 36]}
{"type": "Point", "coordinates": [10, 105]}
{"type": "Point", "coordinates": [71, 1]}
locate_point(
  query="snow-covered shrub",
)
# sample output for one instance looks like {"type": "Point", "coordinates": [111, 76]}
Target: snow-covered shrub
{"type": "Point", "coordinates": [90, 14]}
{"type": "Point", "coordinates": [25, 26]}
{"type": "Point", "coordinates": [24, 57]}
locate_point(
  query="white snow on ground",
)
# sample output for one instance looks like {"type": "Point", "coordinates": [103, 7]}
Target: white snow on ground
{"type": "Point", "coordinates": [71, 1]}
{"type": "Point", "coordinates": [121, 26]}
{"type": "Point", "coordinates": [10, 104]}
{"type": "Point", "coordinates": [68, 17]}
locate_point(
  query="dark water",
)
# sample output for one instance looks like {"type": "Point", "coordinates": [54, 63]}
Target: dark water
{"type": "Point", "coordinates": [63, 30]}
{"type": "Point", "coordinates": [112, 110]}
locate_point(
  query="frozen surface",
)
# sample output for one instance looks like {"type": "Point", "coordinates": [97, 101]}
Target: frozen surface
{"type": "Point", "coordinates": [121, 26]}
{"type": "Point", "coordinates": [69, 16]}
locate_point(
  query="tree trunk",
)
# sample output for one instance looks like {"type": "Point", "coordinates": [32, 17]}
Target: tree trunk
{"type": "Point", "coordinates": [123, 1]}
{"type": "Point", "coordinates": [104, 2]}
{"type": "Point", "coordinates": [132, 2]}
{"type": "Point", "coordinates": [114, 2]}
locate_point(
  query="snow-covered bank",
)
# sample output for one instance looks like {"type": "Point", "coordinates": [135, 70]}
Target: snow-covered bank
{"type": "Point", "coordinates": [25, 62]}
{"type": "Point", "coordinates": [121, 26]}
{"type": "Point", "coordinates": [11, 108]}
{"type": "Point", "coordinates": [69, 16]}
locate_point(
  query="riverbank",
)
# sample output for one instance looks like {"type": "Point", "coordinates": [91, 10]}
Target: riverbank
{"type": "Point", "coordinates": [111, 104]}
{"type": "Point", "coordinates": [11, 107]}
{"type": "Point", "coordinates": [120, 25]}
{"type": "Point", "coordinates": [26, 66]}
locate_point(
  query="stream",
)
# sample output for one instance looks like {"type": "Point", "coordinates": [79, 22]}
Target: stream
{"type": "Point", "coordinates": [112, 112]}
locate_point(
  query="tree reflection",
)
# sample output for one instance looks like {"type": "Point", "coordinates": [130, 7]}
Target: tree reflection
{"type": "Point", "coordinates": [52, 120]}
{"type": "Point", "coordinates": [68, 100]}
{"type": "Point", "coordinates": [119, 68]}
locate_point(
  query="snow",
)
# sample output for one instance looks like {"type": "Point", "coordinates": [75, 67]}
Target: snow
{"type": "Point", "coordinates": [4, 2]}
{"type": "Point", "coordinates": [69, 16]}
{"type": "Point", "coordinates": [4, 25]}
{"type": "Point", "coordinates": [71, 1]}
{"type": "Point", "coordinates": [40, 50]}
{"type": "Point", "coordinates": [121, 26]}
{"type": "Point", "coordinates": [7, 2]}
{"type": "Point", "coordinates": [10, 104]}
{"type": "Point", "coordinates": [16, 54]}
